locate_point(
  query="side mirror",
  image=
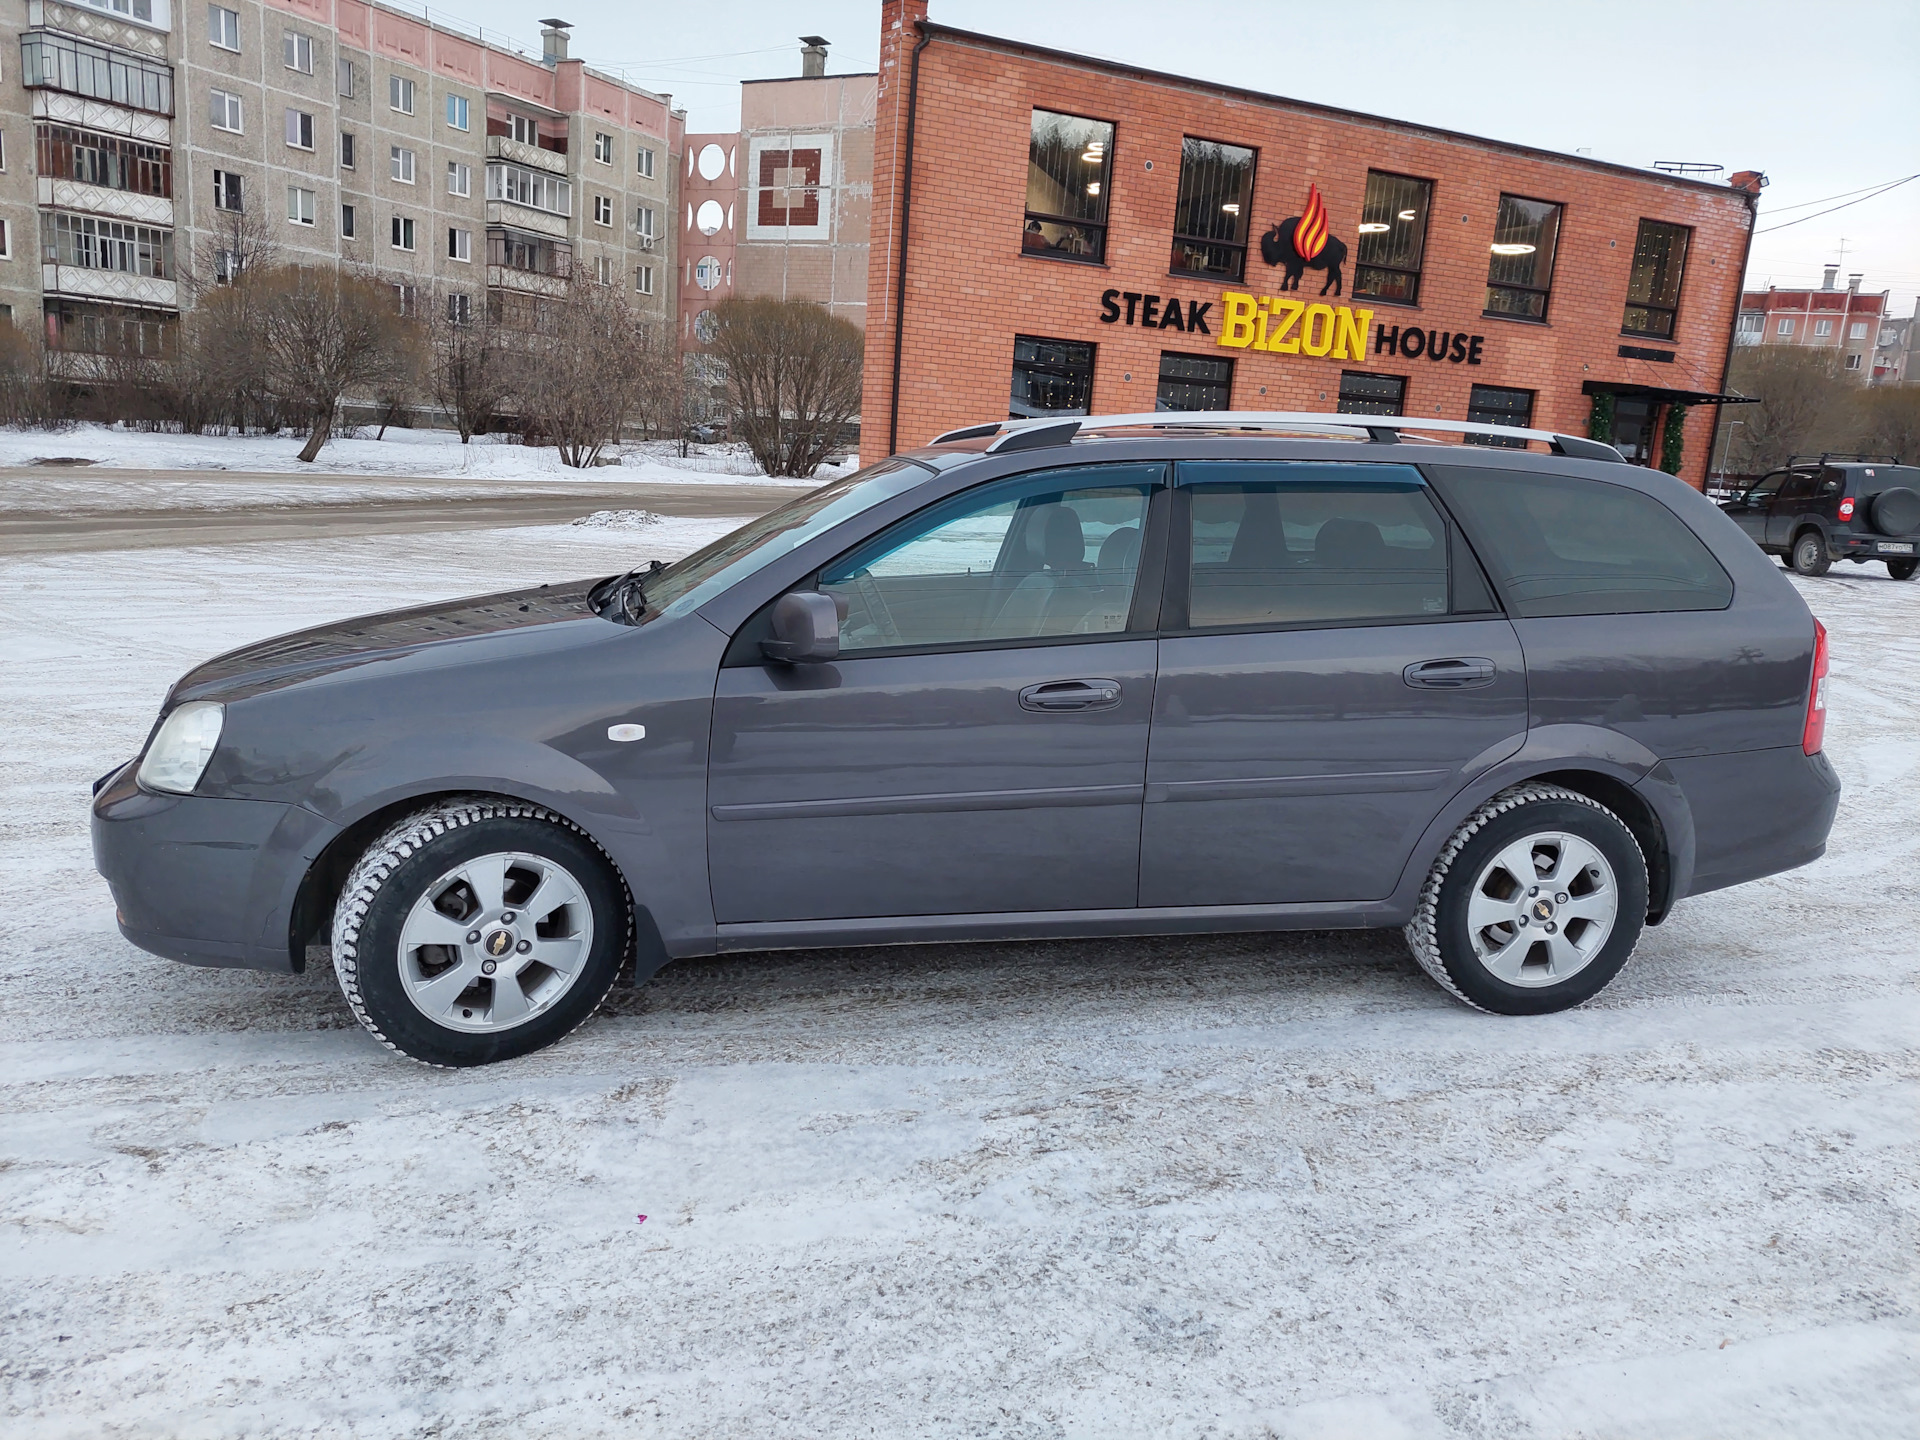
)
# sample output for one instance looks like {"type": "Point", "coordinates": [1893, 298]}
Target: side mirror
{"type": "Point", "coordinates": [806, 629]}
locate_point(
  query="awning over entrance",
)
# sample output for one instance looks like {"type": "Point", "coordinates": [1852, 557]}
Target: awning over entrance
{"type": "Point", "coordinates": [1662, 396]}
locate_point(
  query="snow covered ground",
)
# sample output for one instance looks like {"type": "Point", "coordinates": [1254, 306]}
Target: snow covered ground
{"type": "Point", "coordinates": [1225, 1187]}
{"type": "Point", "coordinates": [402, 453]}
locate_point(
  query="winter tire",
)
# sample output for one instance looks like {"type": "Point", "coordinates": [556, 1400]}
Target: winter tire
{"type": "Point", "coordinates": [1902, 569]}
{"type": "Point", "coordinates": [1533, 905]}
{"type": "Point", "coordinates": [479, 929]}
{"type": "Point", "coordinates": [1810, 555]}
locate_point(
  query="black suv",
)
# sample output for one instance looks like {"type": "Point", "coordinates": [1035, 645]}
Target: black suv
{"type": "Point", "coordinates": [1816, 512]}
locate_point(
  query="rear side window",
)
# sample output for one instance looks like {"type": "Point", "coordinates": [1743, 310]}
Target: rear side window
{"type": "Point", "coordinates": [1277, 544]}
{"type": "Point", "coordinates": [1562, 546]}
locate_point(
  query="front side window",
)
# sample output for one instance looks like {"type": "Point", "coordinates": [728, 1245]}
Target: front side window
{"type": "Point", "coordinates": [1363, 394]}
{"type": "Point", "coordinates": [1050, 377]}
{"type": "Point", "coordinates": [458, 112]}
{"type": "Point", "coordinates": [1653, 290]}
{"type": "Point", "coordinates": [296, 52]}
{"type": "Point", "coordinates": [400, 94]}
{"type": "Point", "coordinates": [1292, 544]}
{"type": "Point", "coordinates": [1068, 164]}
{"type": "Point", "coordinates": [1041, 555]}
{"type": "Point", "coordinates": [299, 205]}
{"type": "Point", "coordinates": [401, 161]}
{"type": "Point", "coordinates": [1520, 267]}
{"type": "Point", "coordinates": [299, 130]}
{"type": "Point", "coordinates": [225, 110]}
{"type": "Point", "coordinates": [1560, 546]}
{"type": "Point", "coordinates": [223, 27]}
{"type": "Point", "coordinates": [1193, 382]}
{"type": "Point", "coordinates": [1393, 238]}
{"type": "Point", "coordinates": [1491, 405]}
{"type": "Point", "coordinates": [1210, 217]}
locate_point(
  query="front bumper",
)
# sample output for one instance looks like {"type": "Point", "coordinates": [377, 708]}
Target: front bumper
{"type": "Point", "coordinates": [201, 879]}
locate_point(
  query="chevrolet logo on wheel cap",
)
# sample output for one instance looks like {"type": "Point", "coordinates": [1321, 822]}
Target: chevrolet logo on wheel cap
{"type": "Point", "coordinates": [499, 943]}
{"type": "Point", "coordinates": [1541, 910]}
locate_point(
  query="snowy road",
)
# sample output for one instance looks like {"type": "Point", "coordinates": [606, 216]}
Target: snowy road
{"type": "Point", "coordinates": [1238, 1187]}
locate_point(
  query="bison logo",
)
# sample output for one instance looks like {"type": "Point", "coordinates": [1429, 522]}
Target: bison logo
{"type": "Point", "coordinates": [1303, 242]}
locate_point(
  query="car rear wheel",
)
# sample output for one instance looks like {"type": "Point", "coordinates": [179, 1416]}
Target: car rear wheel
{"type": "Point", "coordinates": [1533, 905]}
{"type": "Point", "coordinates": [1903, 569]}
{"type": "Point", "coordinates": [477, 930]}
{"type": "Point", "coordinates": [1810, 555]}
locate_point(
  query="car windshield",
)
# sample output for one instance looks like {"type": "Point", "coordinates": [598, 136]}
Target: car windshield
{"type": "Point", "coordinates": [686, 585]}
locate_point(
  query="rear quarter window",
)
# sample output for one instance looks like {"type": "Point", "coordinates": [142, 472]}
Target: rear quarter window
{"type": "Point", "coordinates": [1557, 545]}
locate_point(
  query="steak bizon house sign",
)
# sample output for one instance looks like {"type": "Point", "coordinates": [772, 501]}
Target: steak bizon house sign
{"type": "Point", "coordinates": [1283, 325]}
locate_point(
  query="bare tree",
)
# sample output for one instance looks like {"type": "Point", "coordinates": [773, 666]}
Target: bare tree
{"type": "Point", "coordinates": [582, 370]}
{"type": "Point", "coordinates": [470, 366]}
{"type": "Point", "coordinates": [27, 396]}
{"type": "Point", "coordinates": [1806, 405]}
{"type": "Point", "coordinates": [1889, 422]}
{"type": "Point", "coordinates": [330, 334]}
{"type": "Point", "coordinates": [236, 244]}
{"type": "Point", "coordinates": [793, 376]}
{"type": "Point", "coordinates": [669, 388]}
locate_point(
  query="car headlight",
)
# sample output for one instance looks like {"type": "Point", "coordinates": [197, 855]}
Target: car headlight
{"type": "Point", "coordinates": [181, 748]}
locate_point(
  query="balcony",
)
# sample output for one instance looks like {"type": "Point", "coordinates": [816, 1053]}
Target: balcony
{"type": "Point", "coordinates": [534, 157]}
{"type": "Point", "coordinates": [53, 61]}
{"type": "Point", "coordinates": [98, 200]}
{"type": "Point", "coordinates": [525, 217]}
{"type": "Point", "coordinates": [110, 285]}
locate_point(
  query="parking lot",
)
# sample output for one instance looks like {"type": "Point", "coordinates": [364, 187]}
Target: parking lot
{"type": "Point", "coordinates": [1239, 1186]}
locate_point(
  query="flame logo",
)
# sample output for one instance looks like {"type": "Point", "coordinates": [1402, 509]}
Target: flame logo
{"type": "Point", "coordinates": [1310, 235]}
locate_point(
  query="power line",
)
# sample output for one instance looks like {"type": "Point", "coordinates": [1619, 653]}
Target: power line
{"type": "Point", "coordinates": [1895, 185]}
{"type": "Point", "coordinates": [1878, 184]}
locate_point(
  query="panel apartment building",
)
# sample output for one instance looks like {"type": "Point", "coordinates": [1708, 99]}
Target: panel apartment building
{"type": "Point", "coordinates": [454, 167]}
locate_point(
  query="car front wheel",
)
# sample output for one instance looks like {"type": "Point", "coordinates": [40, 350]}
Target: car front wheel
{"type": "Point", "coordinates": [1810, 555]}
{"type": "Point", "coordinates": [479, 929]}
{"type": "Point", "coordinates": [1902, 569]}
{"type": "Point", "coordinates": [1534, 904]}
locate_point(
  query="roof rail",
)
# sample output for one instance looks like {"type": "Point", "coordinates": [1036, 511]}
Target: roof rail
{"type": "Point", "coordinates": [1378, 429]}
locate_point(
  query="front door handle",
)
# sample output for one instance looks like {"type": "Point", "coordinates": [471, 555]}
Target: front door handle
{"type": "Point", "coordinates": [1071, 695]}
{"type": "Point", "coordinates": [1468, 673]}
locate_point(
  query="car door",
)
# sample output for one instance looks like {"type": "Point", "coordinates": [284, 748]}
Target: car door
{"type": "Point", "coordinates": [979, 745]}
{"type": "Point", "coordinates": [1334, 668]}
{"type": "Point", "coordinates": [1749, 509]}
{"type": "Point", "coordinates": [1787, 507]}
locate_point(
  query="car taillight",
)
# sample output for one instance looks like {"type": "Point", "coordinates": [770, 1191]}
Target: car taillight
{"type": "Point", "coordinates": [1846, 508]}
{"type": "Point", "coordinates": [1815, 735]}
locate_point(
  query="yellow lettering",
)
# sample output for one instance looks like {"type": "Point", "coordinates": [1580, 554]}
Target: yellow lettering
{"type": "Point", "coordinates": [1324, 314]}
{"type": "Point", "coordinates": [1288, 311]}
{"type": "Point", "coordinates": [1237, 311]}
{"type": "Point", "coordinates": [1260, 340]}
{"type": "Point", "coordinates": [1350, 333]}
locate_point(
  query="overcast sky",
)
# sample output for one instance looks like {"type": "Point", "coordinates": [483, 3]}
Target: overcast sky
{"type": "Point", "coordinates": [1822, 97]}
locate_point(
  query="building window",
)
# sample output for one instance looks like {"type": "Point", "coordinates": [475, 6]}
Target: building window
{"type": "Point", "coordinates": [1069, 160]}
{"type": "Point", "coordinates": [1392, 242]}
{"type": "Point", "coordinates": [343, 76]}
{"type": "Point", "coordinates": [643, 163]}
{"type": "Point", "coordinates": [459, 308]}
{"type": "Point", "coordinates": [346, 221]}
{"type": "Point", "coordinates": [1853, 361]}
{"type": "Point", "coordinates": [1490, 405]}
{"type": "Point", "coordinates": [94, 243]}
{"type": "Point", "coordinates": [603, 148]}
{"type": "Point", "coordinates": [603, 269]}
{"type": "Point", "coordinates": [534, 188]}
{"type": "Point", "coordinates": [402, 233]}
{"type": "Point", "coordinates": [226, 266]}
{"type": "Point", "coordinates": [405, 299]}
{"type": "Point", "coordinates": [223, 28]}
{"type": "Point", "coordinates": [299, 130]}
{"type": "Point", "coordinates": [1822, 329]}
{"type": "Point", "coordinates": [1362, 394]}
{"type": "Point", "coordinates": [1050, 377]}
{"type": "Point", "coordinates": [1785, 327]}
{"type": "Point", "coordinates": [457, 112]}
{"type": "Point", "coordinates": [1520, 270]}
{"type": "Point", "coordinates": [535, 254]}
{"type": "Point", "coordinates": [6, 253]}
{"type": "Point", "coordinates": [225, 111]}
{"type": "Point", "coordinates": [346, 150]}
{"type": "Point", "coordinates": [1193, 382]}
{"type": "Point", "coordinates": [1210, 217]}
{"type": "Point", "coordinates": [643, 280]}
{"type": "Point", "coordinates": [459, 178]}
{"type": "Point", "coordinates": [52, 61]}
{"type": "Point", "coordinates": [522, 131]}
{"type": "Point", "coordinates": [1653, 291]}
{"type": "Point", "coordinates": [459, 244]}
{"type": "Point", "coordinates": [602, 210]}
{"type": "Point", "coordinates": [1750, 329]}
{"type": "Point", "coordinates": [299, 205]}
{"type": "Point", "coordinates": [226, 191]}
{"type": "Point", "coordinates": [400, 160]}
{"type": "Point", "coordinates": [112, 162]}
{"type": "Point", "coordinates": [400, 94]}
{"type": "Point", "coordinates": [1857, 330]}
{"type": "Point", "coordinates": [643, 223]}
{"type": "Point", "coordinates": [296, 52]}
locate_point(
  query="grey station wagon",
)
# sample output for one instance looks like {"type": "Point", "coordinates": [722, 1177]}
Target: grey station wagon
{"type": "Point", "coordinates": [1136, 675]}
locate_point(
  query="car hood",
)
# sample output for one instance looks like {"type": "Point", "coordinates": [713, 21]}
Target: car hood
{"type": "Point", "coordinates": [366, 639]}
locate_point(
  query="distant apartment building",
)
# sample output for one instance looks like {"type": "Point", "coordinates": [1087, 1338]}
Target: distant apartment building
{"type": "Point", "coordinates": [138, 136]}
{"type": "Point", "coordinates": [1893, 355]}
{"type": "Point", "coordinates": [1844, 321]}
{"type": "Point", "coordinates": [782, 209]}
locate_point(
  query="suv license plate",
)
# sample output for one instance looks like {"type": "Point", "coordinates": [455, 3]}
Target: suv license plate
{"type": "Point", "coordinates": [1904, 547]}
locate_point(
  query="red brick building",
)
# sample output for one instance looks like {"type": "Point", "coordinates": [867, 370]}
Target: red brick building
{"type": "Point", "coordinates": [1057, 234]}
{"type": "Point", "coordinates": [1844, 322]}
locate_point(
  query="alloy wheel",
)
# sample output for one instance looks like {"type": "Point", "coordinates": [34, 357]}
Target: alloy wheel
{"type": "Point", "coordinates": [1542, 908]}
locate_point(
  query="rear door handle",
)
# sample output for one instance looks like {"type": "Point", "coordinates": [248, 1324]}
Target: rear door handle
{"type": "Point", "coordinates": [1071, 695]}
{"type": "Point", "coordinates": [1466, 673]}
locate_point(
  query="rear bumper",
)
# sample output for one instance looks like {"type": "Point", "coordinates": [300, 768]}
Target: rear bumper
{"type": "Point", "coordinates": [1756, 813]}
{"type": "Point", "coordinates": [1873, 547]}
{"type": "Point", "coordinates": [204, 880]}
